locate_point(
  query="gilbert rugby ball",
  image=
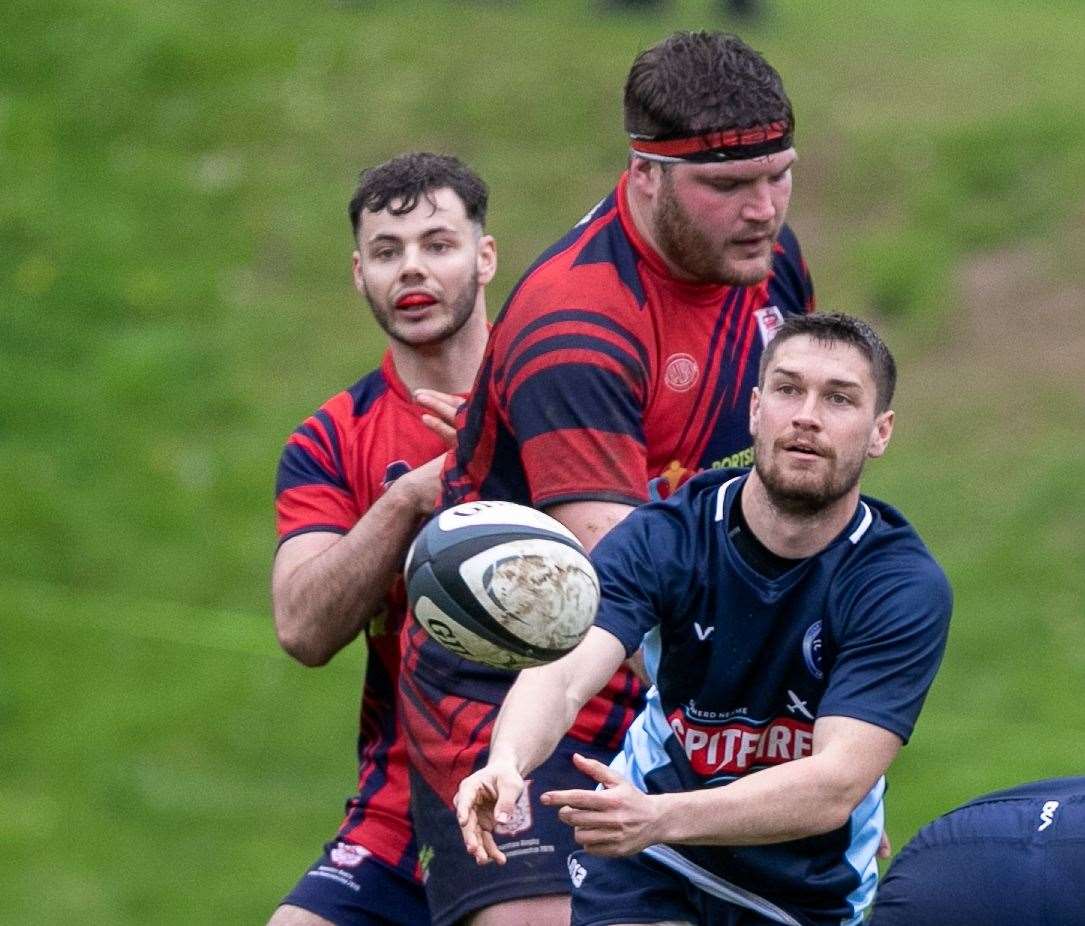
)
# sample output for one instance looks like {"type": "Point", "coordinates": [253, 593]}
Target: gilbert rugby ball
{"type": "Point", "coordinates": [501, 584]}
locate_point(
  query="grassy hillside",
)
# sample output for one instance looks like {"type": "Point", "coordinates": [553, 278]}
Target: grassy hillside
{"type": "Point", "coordinates": [175, 296]}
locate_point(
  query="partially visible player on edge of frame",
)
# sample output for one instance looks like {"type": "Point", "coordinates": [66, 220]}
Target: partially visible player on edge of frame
{"type": "Point", "coordinates": [791, 627]}
{"type": "Point", "coordinates": [1010, 858]}
{"type": "Point", "coordinates": [354, 483]}
{"type": "Point", "coordinates": [624, 357]}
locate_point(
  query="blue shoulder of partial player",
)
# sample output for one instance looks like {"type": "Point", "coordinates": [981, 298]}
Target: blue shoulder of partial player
{"type": "Point", "coordinates": [790, 288]}
{"type": "Point", "coordinates": [888, 622]}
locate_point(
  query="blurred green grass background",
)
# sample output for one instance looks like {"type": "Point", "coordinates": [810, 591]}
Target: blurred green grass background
{"type": "Point", "coordinates": [175, 297]}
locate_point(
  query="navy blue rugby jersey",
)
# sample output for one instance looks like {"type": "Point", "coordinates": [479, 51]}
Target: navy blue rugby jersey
{"type": "Point", "coordinates": [1006, 859]}
{"type": "Point", "coordinates": [743, 666]}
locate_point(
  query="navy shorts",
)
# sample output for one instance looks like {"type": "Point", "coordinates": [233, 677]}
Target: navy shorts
{"type": "Point", "coordinates": [1015, 858]}
{"type": "Point", "coordinates": [349, 887]}
{"type": "Point", "coordinates": [535, 841]}
{"type": "Point", "coordinates": [638, 889]}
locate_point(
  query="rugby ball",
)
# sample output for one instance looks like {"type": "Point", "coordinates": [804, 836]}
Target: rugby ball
{"type": "Point", "coordinates": [501, 584]}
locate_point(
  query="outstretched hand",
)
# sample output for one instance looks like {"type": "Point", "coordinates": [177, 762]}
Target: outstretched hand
{"type": "Point", "coordinates": [441, 413]}
{"type": "Point", "coordinates": [483, 800]}
{"type": "Point", "coordinates": [619, 820]}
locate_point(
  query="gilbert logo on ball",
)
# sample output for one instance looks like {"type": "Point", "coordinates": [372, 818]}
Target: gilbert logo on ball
{"type": "Point", "coordinates": [501, 584]}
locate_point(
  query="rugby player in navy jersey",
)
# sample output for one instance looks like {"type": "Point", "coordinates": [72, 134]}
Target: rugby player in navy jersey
{"type": "Point", "coordinates": [1012, 858]}
{"type": "Point", "coordinates": [355, 481]}
{"type": "Point", "coordinates": [623, 359]}
{"type": "Point", "coordinates": [791, 628]}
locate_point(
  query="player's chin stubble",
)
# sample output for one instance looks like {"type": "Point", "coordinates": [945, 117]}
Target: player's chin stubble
{"type": "Point", "coordinates": [684, 245]}
{"type": "Point", "coordinates": [460, 309]}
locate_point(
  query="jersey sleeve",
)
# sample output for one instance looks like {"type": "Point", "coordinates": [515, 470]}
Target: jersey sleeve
{"type": "Point", "coordinates": [643, 562]}
{"type": "Point", "coordinates": [572, 385]}
{"type": "Point", "coordinates": [889, 646]}
{"type": "Point", "coordinates": [311, 491]}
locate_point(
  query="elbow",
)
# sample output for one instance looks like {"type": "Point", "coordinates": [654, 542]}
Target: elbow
{"type": "Point", "coordinates": [837, 806]}
{"type": "Point", "coordinates": [300, 645]}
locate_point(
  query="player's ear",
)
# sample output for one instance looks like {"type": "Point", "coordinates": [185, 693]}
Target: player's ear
{"type": "Point", "coordinates": [486, 260]}
{"type": "Point", "coordinates": [755, 411]}
{"type": "Point", "coordinates": [645, 177]}
{"type": "Point", "coordinates": [356, 272]}
{"type": "Point", "coordinates": [879, 436]}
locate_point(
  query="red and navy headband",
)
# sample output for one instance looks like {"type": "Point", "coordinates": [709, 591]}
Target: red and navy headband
{"type": "Point", "coordinates": [710, 147]}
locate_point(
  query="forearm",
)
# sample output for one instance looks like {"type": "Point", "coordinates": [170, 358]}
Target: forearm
{"type": "Point", "coordinates": [791, 801]}
{"type": "Point", "coordinates": [801, 798]}
{"type": "Point", "coordinates": [543, 703]}
{"type": "Point", "coordinates": [324, 601]}
{"type": "Point", "coordinates": [535, 715]}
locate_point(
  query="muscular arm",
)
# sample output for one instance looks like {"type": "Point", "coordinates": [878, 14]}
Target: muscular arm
{"type": "Point", "coordinates": [325, 587]}
{"type": "Point", "coordinates": [543, 702]}
{"type": "Point", "coordinates": [802, 798]}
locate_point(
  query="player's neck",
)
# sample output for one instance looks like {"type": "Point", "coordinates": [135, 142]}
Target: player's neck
{"type": "Point", "coordinates": [448, 366]}
{"type": "Point", "coordinates": [790, 534]}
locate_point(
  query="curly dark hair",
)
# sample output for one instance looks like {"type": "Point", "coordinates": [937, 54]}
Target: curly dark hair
{"type": "Point", "coordinates": [397, 185]}
{"type": "Point", "coordinates": [838, 328]}
{"type": "Point", "coordinates": [696, 81]}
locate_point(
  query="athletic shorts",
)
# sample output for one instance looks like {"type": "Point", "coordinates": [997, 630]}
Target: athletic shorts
{"type": "Point", "coordinates": [535, 841]}
{"type": "Point", "coordinates": [349, 887]}
{"type": "Point", "coordinates": [638, 889]}
{"type": "Point", "coordinates": [998, 862]}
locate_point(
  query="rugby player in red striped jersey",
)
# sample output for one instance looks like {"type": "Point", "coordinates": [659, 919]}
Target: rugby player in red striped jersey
{"type": "Point", "coordinates": [624, 359]}
{"type": "Point", "coordinates": [354, 483]}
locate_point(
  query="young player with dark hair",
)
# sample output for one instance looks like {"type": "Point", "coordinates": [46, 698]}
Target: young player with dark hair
{"type": "Point", "coordinates": [791, 628]}
{"type": "Point", "coordinates": [621, 365]}
{"type": "Point", "coordinates": [1010, 858]}
{"type": "Point", "coordinates": [355, 481]}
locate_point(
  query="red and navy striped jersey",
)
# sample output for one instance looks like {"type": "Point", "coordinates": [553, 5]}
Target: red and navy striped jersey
{"type": "Point", "coordinates": [605, 375]}
{"type": "Point", "coordinates": [333, 468]}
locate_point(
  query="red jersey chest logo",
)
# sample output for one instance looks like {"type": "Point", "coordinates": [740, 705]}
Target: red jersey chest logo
{"type": "Point", "coordinates": [680, 372]}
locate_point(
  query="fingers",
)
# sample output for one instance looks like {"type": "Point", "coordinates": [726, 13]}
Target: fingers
{"type": "Point", "coordinates": [582, 800]}
{"type": "Point", "coordinates": [440, 404]}
{"type": "Point", "coordinates": [604, 774]}
{"type": "Point", "coordinates": [885, 847]}
{"type": "Point", "coordinates": [446, 432]}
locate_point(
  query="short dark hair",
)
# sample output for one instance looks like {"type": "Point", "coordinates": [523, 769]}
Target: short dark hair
{"type": "Point", "coordinates": [696, 81]}
{"type": "Point", "coordinates": [840, 329]}
{"type": "Point", "coordinates": [398, 184]}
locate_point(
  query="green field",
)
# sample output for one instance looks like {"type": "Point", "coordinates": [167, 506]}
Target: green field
{"type": "Point", "coordinates": [175, 297]}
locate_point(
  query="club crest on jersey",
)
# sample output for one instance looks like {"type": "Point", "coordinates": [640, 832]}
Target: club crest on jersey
{"type": "Point", "coordinates": [769, 320]}
{"type": "Point", "coordinates": [393, 471]}
{"type": "Point", "coordinates": [520, 819]}
{"type": "Point", "coordinates": [811, 650]}
{"type": "Point", "coordinates": [347, 855]}
{"type": "Point", "coordinates": [680, 372]}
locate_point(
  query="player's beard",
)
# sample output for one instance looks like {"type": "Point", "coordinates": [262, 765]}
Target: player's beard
{"type": "Point", "coordinates": [460, 306]}
{"type": "Point", "coordinates": [805, 493]}
{"type": "Point", "coordinates": [686, 246]}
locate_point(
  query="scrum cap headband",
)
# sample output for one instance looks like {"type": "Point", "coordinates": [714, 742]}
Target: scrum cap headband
{"type": "Point", "coordinates": [711, 147]}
